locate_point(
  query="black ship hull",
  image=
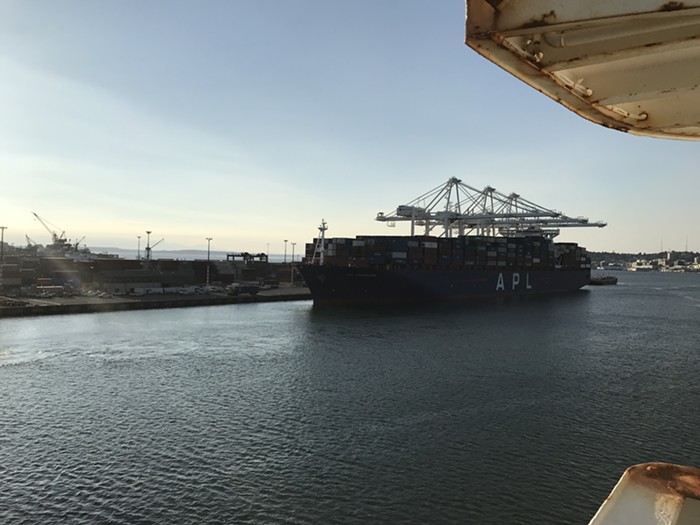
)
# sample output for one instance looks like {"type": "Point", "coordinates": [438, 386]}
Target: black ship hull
{"type": "Point", "coordinates": [349, 285]}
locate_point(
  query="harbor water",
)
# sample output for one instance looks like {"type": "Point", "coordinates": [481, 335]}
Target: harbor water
{"type": "Point", "coordinates": [517, 412]}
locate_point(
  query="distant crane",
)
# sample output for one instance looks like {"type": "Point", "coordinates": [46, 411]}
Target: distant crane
{"type": "Point", "coordinates": [150, 247]}
{"type": "Point", "coordinates": [55, 238]}
{"type": "Point", "coordinates": [59, 244]}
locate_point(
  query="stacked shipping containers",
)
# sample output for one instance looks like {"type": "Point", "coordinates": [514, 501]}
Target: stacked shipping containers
{"type": "Point", "coordinates": [480, 252]}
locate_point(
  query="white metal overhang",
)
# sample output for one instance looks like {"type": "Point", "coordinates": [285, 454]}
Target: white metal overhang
{"type": "Point", "coordinates": [631, 65]}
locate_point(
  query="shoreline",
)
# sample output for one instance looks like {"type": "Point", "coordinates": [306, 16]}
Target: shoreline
{"type": "Point", "coordinates": [31, 307]}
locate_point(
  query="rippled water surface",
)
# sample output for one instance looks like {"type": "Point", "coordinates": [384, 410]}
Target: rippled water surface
{"type": "Point", "coordinates": [517, 412]}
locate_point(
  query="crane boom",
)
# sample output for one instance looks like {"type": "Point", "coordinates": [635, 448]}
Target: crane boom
{"type": "Point", "coordinates": [55, 238]}
{"type": "Point", "coordinates": [461, 209]}
{"type": "Point", "coordinates": [149, 248]}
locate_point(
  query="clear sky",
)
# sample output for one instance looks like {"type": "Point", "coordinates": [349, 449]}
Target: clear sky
{"type": "Point", "coordinates": [250, 121]}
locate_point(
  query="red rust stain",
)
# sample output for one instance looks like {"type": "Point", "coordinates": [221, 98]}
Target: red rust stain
{"type": "Point", "coordinates": [667, 478]}
{"type": "Point", "coordinates": [544, 20]}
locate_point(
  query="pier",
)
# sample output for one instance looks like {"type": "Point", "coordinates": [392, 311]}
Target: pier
{"type": "Point", "coordinates": [29, 307]}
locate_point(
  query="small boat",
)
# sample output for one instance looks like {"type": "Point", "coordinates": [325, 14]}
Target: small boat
{"type": "Point", "coordinates": [603, 280]}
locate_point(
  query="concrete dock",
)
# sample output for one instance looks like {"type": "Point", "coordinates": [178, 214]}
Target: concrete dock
{"type": "Point", "coordinates": [27, 307]}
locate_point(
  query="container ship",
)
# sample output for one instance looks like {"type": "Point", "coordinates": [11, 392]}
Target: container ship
{"type": "Point", "coordinates": [490, 245]}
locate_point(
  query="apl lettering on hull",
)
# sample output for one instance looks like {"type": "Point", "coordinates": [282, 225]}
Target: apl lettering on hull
{"type": "Point", "coordinates": [515, 283]}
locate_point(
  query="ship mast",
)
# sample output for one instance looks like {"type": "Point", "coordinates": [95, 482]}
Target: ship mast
{"type": "Point", "coordinates": [318, 249]}
{"type": "Point", "coordinates": [459, 209]}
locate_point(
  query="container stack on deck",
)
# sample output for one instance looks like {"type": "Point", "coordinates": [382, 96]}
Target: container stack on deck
{"type": "Point", "coordinates": [477, 252]}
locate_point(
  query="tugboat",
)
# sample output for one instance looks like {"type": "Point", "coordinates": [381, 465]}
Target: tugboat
{"type": "Point", "coordinates": [603, 280]}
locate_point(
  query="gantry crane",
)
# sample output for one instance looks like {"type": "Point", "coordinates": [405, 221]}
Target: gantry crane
{"type": "Point", "coordinates": [460, 209]}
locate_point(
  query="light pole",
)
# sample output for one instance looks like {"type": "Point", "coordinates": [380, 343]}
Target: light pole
{"type": "Point", "coordinates": [293, 245]}
{"type": "Point", "coordinates": [268, 251]}
{"type": "Point", "coordinates": [208, 252]}
{"type": "Point", "coordinates": [138, 248]}
{"type": "Point", "coordinates": [2, 252]}
{"type": "Point", "coordinates": [148, 245]}
{"type": "Point", "coordinates": [285, 251]}
{"type": "Point", "coordinates": [2, 244]}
